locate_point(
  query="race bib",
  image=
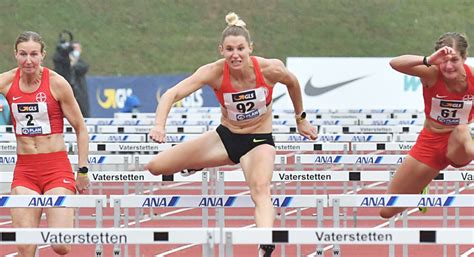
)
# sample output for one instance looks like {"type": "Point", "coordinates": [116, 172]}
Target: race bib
{"type": "Point", "coordinates": [450, 112]}
{"type": "Point", "coordinates": [31, 118]}
{"type": "Point", "coordinates": [245, 105]}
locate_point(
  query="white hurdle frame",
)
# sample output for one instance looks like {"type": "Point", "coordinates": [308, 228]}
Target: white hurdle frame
{"type": "Point", "coordinates": [56, 201]}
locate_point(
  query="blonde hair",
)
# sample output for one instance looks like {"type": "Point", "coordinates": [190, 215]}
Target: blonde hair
{"type": "Point", "coordinates": [235, 27]}
{"type": "Point", "coordinates": [233, 19]}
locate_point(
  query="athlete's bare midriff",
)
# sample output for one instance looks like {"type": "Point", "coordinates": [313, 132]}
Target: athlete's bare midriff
{"type": "Point", "coordinates": [436, 127]}
{"type": "Point", "coordinates": [40, 144]}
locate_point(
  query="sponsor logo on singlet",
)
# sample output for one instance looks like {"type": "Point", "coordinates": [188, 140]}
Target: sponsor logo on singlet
{"type": "Point", "coordinates": [246, 116]}
{"type": "Point", "coordinates": [243, 96]}
{"type": "Point", "coordinates": [31, 130]}
{"type": "Point", "coordinates": [24, 108]}
{"type": "Point", "coordinates": [449, 104]}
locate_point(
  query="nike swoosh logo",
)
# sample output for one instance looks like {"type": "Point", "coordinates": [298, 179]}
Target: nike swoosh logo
{"type": "Point", "coordinates": [258, 140]}
{"type": "Point", "coordinates": [441, 96]}
{"type": "Point", "coordinates": [66, 181]}
{"type": "Point", "coordinates": [311, 90]}
{"type": "Point", "coordinates": [16, 98]}
{"type": "Point", "coordinates": [278, 97]}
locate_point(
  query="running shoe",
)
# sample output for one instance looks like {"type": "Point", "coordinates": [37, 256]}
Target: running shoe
{"type": "Point", "coordinates": [425, 191]}
{"type": "Point", "coordinates": [265, 250]}
{"type": "Point", "coordinates": [189, 172]}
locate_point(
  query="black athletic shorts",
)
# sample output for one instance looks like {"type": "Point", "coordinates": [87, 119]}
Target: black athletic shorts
{"type": "Point", "coordinates": [238, 145]}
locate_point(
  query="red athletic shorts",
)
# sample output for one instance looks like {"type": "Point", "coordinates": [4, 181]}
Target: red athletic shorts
{"type": "Point", "coordinates": [431, 149]}
{"type": "Point", "coordinates": [42, 172]}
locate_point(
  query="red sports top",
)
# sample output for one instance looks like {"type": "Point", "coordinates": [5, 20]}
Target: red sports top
{"type": "Point", "coordinates": [226, 86]}
{"type": "Point", "coordinates": [449, 108]}
{"type": "Point", "coordinates": [36, 113]}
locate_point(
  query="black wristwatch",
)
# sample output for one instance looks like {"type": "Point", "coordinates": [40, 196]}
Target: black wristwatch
{"type": "Point", "coordinates": [83, 170]}
{"type": "Point", "coordinates": [301, 117]}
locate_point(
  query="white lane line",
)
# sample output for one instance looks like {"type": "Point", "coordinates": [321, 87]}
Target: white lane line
{"type": "Point", "coordinates": [468, 253]}
{"type": "Point", "coordinates": [5, 223]}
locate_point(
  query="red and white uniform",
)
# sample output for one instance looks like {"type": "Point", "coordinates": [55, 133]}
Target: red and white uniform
{"type": "Point", "coordinates": [449, 109]}
{"type": "Point", "coordinates": [36, 113]}
{"type": "Point", "coordinates": [247, 104]}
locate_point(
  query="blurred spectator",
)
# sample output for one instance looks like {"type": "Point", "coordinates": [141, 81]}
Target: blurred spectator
{"type": "Point", "coordinates": [79, 68]}
{"type": "Point", "coordinates": [132, 103]}
{"type": "Point", "coordinates": [61, 61]}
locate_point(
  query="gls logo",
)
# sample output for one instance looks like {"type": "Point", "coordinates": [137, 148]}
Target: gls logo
{"type": "Point", "coordinates": [22, 108]}
{"type": "Point", "coordinates": [114, 97]}
{"type": "Point", "coordinates": [243, 96]}
{"type": "Point", "coordinates": [452, 104]}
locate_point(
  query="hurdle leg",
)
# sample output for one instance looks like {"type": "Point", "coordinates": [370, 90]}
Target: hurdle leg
{"type": "Point", "coordinates": [117, 214]}
{"type": "Point", "coordinates": [98, 224]}
{"type": "Point", "coordinates": [319, 222]}
{"type": "Point", "coordinates": [228, 244]}
{"type": "Point", "coordinates": [336, 250]}
{"type": "Point", "coordinates": [205, 211]}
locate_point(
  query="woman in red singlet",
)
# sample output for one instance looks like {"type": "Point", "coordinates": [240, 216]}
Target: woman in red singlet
{"type": "Point", "coordinates": [448, 92]}
{"type": "Point", "coordinates": [39, 101]}
{"type": "Point", "coordinates": [243, 85]}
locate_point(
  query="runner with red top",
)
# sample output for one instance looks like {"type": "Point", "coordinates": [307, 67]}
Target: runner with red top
{"type": "Point", "coordinates": [448, 93]}
{"type": "Point", "coordinates": [39, 100]}
{"type": "Point", "coordinates": [243, 85]}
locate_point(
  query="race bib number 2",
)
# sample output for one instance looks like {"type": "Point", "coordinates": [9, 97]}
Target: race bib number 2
{"type": "Point", "coordinates": [31, 118]}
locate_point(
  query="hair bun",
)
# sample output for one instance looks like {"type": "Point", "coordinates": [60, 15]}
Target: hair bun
{"type": "Point", "coordinates": [233, 19]}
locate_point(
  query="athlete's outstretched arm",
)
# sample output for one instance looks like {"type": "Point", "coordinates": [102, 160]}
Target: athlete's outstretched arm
{"type": "Point", "coordinates": [184, 88]}
{"type": "Point", "coordinates": [284, 76]}
{"type": "Point", "coordinates": [423, 67]}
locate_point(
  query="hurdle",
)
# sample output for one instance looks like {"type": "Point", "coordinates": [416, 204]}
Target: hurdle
{"type": "Point", "coordinates": [392, 129]}
{"type": "Point", "coordinates": [54, 201]}
{"type": "Point", "coordinates": [290, 201]}
{"type": "Point", "coordinates": [238, 236]}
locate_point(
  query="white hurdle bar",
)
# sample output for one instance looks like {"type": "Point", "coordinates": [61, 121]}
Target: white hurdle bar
{"type": "Point", "coordinates": [359, 236]}
{"type": "Point", "coordinates": [212, 201]}
{"type": "Point", "coordinates": [293, 201]}
{"type": "Point", "coordinates": [105, 159]}
{"type": "Point", "coordinates": [278, 176]}
{"type": "Point", "coordinates": [406, 200]}
{"type": "Point", "coordinates": [362, 129]}
{"type": "Point", "coordinates": [92, 159]}
{"type": "Point", "coordinates": [343, 176]}
{"type": "Point", "coordinates": [359, 159]}
{"type": "Point", "coordinates": [155, 147]}
{"type": "Point", "coordinates": [349, 158]}
{"type": "Point", "coordinates": [52, 201]}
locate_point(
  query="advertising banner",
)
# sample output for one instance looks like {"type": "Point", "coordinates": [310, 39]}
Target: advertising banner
{"type": "Point", "coordinates": [351, 83]}
{"type": "Point", "coordinates": [107, 94]}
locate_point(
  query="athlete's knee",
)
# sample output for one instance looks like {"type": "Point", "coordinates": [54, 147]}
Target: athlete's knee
{"type": "Point", "coordinates": [386, 213]}
{"type": "Point", "coordinates": [259, 190]}
{"type": "Point", "coordinates": [154, 168]}
{"type": "Point", "coordinates": [463, 129]}
{"type": "Point", "coordinates": [27, 250]}
{"type": "Point", "coordinates": [61, 249]}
